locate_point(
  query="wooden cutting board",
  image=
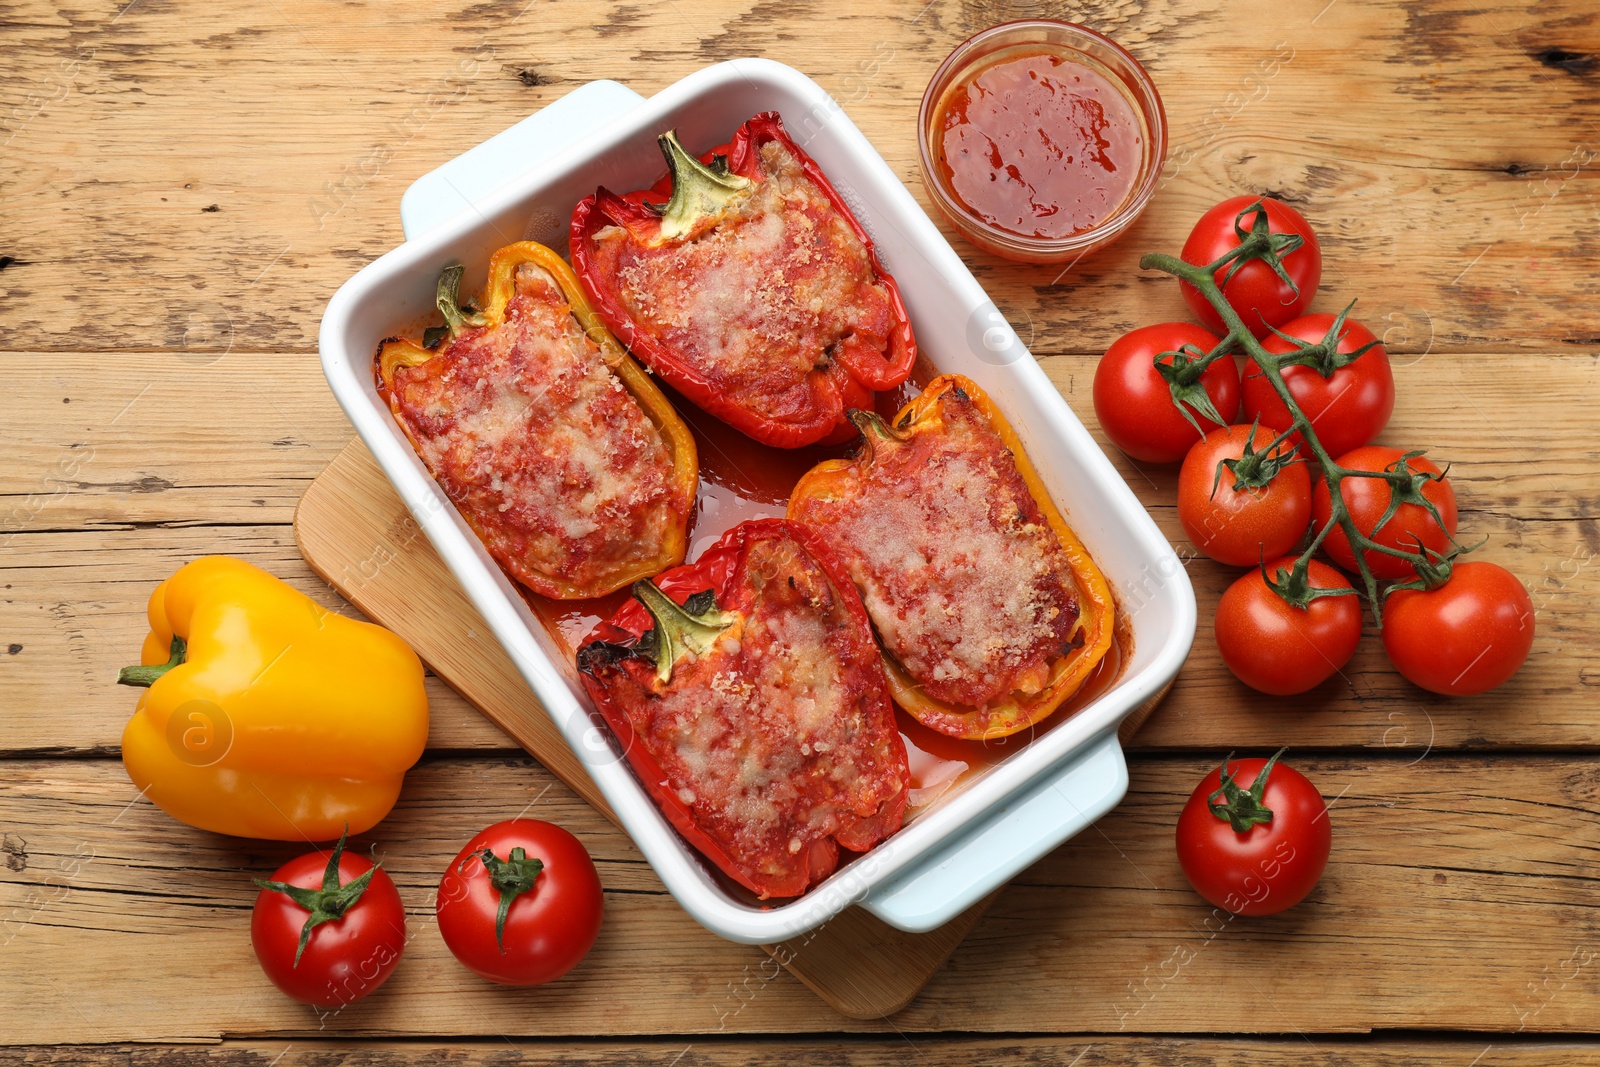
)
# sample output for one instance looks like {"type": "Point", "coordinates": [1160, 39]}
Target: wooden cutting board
{"type": "Point", "coordinates": [355, 532]}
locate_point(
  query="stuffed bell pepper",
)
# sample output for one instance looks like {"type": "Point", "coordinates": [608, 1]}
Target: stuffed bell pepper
{"type": "Point", "coordinates": [751, 288]}
{"type": "Point", "coordinates": [749, 697]}
{"type": "Point", "coordinates": [989, 610]}
{"type": "Point", "coordinates": [559, 451]}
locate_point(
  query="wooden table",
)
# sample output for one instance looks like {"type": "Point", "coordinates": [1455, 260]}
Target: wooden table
{"type": "Point", "coordinates": [184, 187]}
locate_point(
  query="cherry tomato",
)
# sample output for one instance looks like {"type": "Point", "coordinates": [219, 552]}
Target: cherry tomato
{"type": "Point", "coordinates": [1276, 647]}
{"type": "Point", "coordinates": [1464, 637]}
{"type": "Point", "coordinates": [1241, 527]}
{"type": "Point", "coordinates": [1267, 848]}
{"type": "Point", "coordinates": [521, 903]}
{"type": "Point", "coordinates": [1368, 498]}
{"type": "Point", "coordinates": [1347, 409]}
{"type": "Point", "coordinates": [1134, 403]}
{"type": "Point", "coordinates": [1255, 291]}
{"type": "Point", "coordinates": [328, 928]}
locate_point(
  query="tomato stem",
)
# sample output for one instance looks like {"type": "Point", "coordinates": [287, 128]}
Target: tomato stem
{"type": "Point", "coordinates": [327, 904]}
{"type": "Point", "coordinates": [510, 878]}
{"type": "Point", "coordinates": [1405, 485]}
{"type": "Point", "coordinates": [1243, 808]}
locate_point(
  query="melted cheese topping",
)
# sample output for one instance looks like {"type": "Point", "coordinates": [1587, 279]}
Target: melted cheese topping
{"type": "Point", "coordinates": [966, 583]}
{"type": "Point", "coordinates": [778, 738]}
{"type": "Point", "coordinates": [759, 302]}
{"type": "Point", "coordinates": [551, 460]}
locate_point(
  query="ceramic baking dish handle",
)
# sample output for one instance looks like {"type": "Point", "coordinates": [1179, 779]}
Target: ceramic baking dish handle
{"type": "Point", "coordinates": [1034, 821]}
{"type": "Point", "coordinates": [466, 179]}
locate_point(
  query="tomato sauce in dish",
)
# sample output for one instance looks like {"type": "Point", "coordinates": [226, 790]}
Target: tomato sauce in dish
{"type": "Point", "coordinates": [1038, 144]}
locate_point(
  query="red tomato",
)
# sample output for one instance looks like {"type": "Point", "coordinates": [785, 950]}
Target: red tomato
{"type": "Point", "coordinates": [1255, 291]}
{"type": "Point", "coordinates": [1346, 409]}
{"type": "Point", "coordinates": [1262, 867]}
{"type": "Point", "coordinates": [521, 904]}
{"type": "Point", "coordinates": [1466, 636]}
{"type": "Point", "coordinates": [1241, 527]}
{"type": "Point", "coordinates": [1134, 403]}
{"type": "Point", "coordinates": [1278, 648]}
{"type": "Point", "coordinates": [1368, 498]}
{"type": "Point", "coordinates": [328, 928]}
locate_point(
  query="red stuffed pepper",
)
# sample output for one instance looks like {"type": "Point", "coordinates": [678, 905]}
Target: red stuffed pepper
{"type": "Point", "coordinates": [752, 290]}
{"type": "Point", "coordinates": [749, 696]}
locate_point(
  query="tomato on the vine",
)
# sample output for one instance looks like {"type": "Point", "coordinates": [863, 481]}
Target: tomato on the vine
{"type": "Point", "coordinates": [1135, 403]}
{"type": "Point", "coordinates": [328, 928]}
{"type": "Point", "coordinates": [1284, 648]}
{"type": "Point", "coordinates": [521, 903]}
{"type": "Point", "coordinates": [1254, 837]}
{"type": "Point", "coordinates": [1368, 498]}
{"type": "Point", "coordinates": [1348, 408]}
{"type": "Point", "coordinates": [1463, 637]}
{"type": "Point", "coordinates": [1255, 291]}
{"type": "Point", "coordinates": [1242, 526]}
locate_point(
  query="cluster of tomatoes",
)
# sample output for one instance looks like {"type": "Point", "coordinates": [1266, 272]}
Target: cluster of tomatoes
{"type": "Point", "coordinates": [519, 905]}
{"type": "Point", "coordinates": [1254, 836]}
{"type": "Point", "coordinates": [1252, 494]}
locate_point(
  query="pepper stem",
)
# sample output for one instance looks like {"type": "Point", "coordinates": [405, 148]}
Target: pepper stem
{"type": "Point", "coordinates": [692, 627]}
{"type": "Point", "coordinates": [510, 878]}
{"type": "Point", "coordinates": [698, 189]}
{"type": "Point", "coordinates": [448, 299]}
{"type": "Point", "coordinates": [146, 675]}
{"type": "Point", "coordinates": [1243, 808]}
{"type": "Point", "coordinates": [327, 904]}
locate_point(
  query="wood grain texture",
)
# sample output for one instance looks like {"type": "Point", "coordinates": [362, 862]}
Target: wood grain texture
{"type": "Point", "coordinates": [75, 596]}
{"type": "Point", "coordinates": [1460, 896]}
{"type": "Point", "coordinates": [1096, 1051]}
{"type": "Point", "coordinates": [182, 187]}
{"type": "Point", "coordinates": [224, 192]}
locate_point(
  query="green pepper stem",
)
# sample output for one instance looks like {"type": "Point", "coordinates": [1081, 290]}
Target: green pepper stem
{"type": "Point", "coordinates": [146, 675]}
{"type": "Point", "coordinates": [678, 628]}
{"type": "Point", "coordinates": [447, 297]}
{"type": "Point", "coordinates": [698, 189]}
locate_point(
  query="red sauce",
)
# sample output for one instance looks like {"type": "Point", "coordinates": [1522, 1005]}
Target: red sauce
{"type": "Point", "coordinates": [1037, 144]}
{"type": "Point", "coordinates": [739, 480]}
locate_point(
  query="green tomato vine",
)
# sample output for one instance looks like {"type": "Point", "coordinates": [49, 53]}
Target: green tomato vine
{"type": "Point", "coordinates": [1405, 484]}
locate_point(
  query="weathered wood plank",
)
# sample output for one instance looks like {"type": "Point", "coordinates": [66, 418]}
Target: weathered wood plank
{"type": "Point", "coordinates": [150, 438]}
{"type": "Point", "coordinates": [1096, 1051]}
{"type": "Point", "coordinates": [174, 183]}
{"type": "Point", "coordinates": [1460, 896]}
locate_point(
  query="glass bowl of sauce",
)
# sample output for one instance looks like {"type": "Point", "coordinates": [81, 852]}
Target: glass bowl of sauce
{"type": "Point", "coordinates": [1041, 141]}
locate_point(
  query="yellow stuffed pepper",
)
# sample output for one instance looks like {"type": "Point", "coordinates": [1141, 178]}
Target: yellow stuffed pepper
{"type": "Point", "coordinates": [267, 715]}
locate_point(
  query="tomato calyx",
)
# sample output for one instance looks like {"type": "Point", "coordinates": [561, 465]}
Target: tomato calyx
{"type": "Point", "coordinates": [144, 676]}
{"type": "Point", "coordinates": [510, 878]}
{"type": "Point", "coordinates": [1256, 467]}
{"type": "Point", "coordinates": [330, 902]}
{"type": "Point", "coordinates": [1243, 808]}
{"type": "Point", "coordinates": [1258, 243]}
{"type": "Point", "coordinates": [1181, 370]}
{"type": "Point", "coordinates": [1294, 584]}
{"type": "Point", "coordinates": [1324, 356]}
{"type": "Point", "coordinates": [1405, 487]}
{"type": "Point", "coordinates": [699, 190]}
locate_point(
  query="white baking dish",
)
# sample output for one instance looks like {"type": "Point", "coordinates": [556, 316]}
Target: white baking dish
{"type": "Point", "coordinates": [523, 184]}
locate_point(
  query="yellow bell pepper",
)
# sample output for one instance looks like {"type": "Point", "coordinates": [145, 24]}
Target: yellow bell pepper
{"type": "Point", "coordinates": [266, 715]}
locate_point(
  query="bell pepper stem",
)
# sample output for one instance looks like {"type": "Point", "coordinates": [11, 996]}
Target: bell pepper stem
{"type": "Point", "coordinates": [146, 675]}
{"type": "Point", "coordinates": [691, 627]}
{"type": "Point", "coordinates": [698, 189]}
{"type": "Point", "coordinates": [447, 297]}
{"type": "Point", "coordinates": [510, 878]}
